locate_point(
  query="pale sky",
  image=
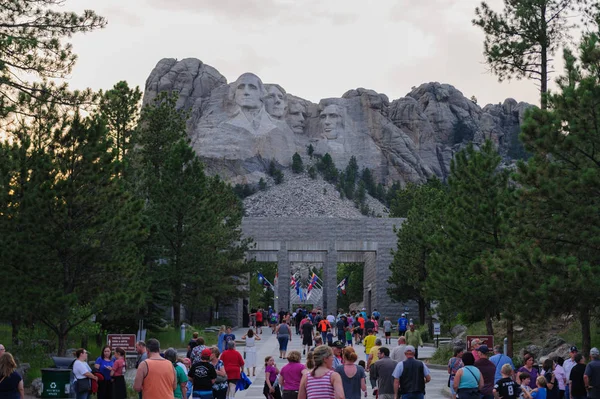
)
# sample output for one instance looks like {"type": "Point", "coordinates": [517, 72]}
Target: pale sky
{"type": "Point", "coordinates": [313, 48]}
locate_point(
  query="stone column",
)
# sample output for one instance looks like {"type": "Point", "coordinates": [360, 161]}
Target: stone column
{"type": "Point", "coordinates": [282, 291]}
{"type": "Point", "coordinates": [330, 281]}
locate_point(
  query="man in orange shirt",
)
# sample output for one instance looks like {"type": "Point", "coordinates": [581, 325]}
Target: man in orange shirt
{"type": "Point", "coordinates": [161, 381]}
{"type": "Point", "coordinates": [323, 326]}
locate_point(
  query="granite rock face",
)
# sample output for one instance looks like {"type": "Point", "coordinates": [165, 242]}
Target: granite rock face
{"type": "Point", "coordinates": [238, 128]}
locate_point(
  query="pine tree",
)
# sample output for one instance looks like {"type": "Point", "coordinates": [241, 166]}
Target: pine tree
{"type": "Point", "coordinates": [560, 214]}
{"type": "Point", "coordinates": [410, 267]}
{"type": "Point", "coordinates": [32, 34]}
{"type": "Point", "coordinates": [76, 224]}
{"type": "Point", "coordinates": [120, 107]}
{"type": "Point", "coordinates": [475, 223]}
{"type": "Point", "coordinates": [520, 41]}
{"type": "Point", "coordinates": [197, 240]}
{"type": "Point", "coordinates": [297, 166]}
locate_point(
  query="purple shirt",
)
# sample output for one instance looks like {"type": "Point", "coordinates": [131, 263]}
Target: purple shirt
{"type": "Point", "coordinates": [272, 370]}
{"type": "Point", "coordinates": [292, 374]}
{"type": "Point", "coordinates": [533, 373]}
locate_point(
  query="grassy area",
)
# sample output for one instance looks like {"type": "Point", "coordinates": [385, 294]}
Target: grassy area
{"type": "Point", "coordinates": [170, 338]}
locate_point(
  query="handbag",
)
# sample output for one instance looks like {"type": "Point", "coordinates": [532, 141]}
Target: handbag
{"type": "Point", "coordinates": [83, 385]}
{"type": "Point", "coordinates": [221, 379]}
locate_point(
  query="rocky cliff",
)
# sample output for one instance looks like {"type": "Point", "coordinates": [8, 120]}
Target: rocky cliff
{"type": "Point", "coordinates": [238, 128]}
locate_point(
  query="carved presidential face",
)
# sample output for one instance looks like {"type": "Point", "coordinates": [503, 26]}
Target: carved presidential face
{"type": "Point", "coordinates": [248, 91]}
{"type": "Point", "coordinates": [331, 121]}
{"type": "Point", "coordinates": [275, 102]}
{"type": "Point", "coordinates": [295, 117]}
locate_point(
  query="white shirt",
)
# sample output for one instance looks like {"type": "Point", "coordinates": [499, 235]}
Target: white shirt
{"type": "Point", "coordinates": [331, 318]}
{"type": "Point", "coordinates": [397, 354]}
{"type": "Point", "coordinates": [568, 366]}
{"type": "Point", "coordinates": [80, 368]}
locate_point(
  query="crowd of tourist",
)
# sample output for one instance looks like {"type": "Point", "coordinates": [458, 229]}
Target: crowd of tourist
{"type": "Point", "coordinates": [332, 368]}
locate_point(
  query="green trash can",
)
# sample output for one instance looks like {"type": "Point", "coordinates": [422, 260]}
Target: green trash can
{"type": "Point", "coordinates": [56, 383]}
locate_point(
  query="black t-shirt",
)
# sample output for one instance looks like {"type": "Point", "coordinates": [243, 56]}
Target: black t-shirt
{"type": "Point", "coordinates": [553, 393]}
{"type": "Point", "coordinates": [9, 386]}
{"type": "Point", "coordinates": [369, 325]}
{"type": "Point", "coordinates": [307, 329]}
{"type": "Point", "coordinates": [507, 388]}
{"type": "Point", "coordinates": [577, 384]}
{"type": "Point", "coordinates": [192, 344]}
{"type": "Point", "coordinates": [340, 324]}
{"type": "Point", "coordinates": [356, 324]}
{"type": "Point", "coordinates": [203, 373]}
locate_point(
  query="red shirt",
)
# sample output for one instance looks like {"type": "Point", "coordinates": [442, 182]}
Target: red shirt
{"type": "Point", "coordinates": [233, 362]}
{"type": "Point", "coordinates": [361, 320]}
{"type": "Point", "coordinates": [119, 367]}
{"type": "Point", "coordinates": [258, 316]}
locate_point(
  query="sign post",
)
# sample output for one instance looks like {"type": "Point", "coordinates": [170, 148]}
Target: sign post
{"type": "Point", "coordinates": [125, 341]}
{"type": "Point", "coordinates": [437, 331]}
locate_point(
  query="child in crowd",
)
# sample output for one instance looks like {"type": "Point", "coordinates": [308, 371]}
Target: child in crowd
{"type": "Point", "coordinates": [524, 378]}
{"type": "Point", "coordinates": [505, 387]}
{"type": "Point", "coordinates": [349, 336]}
{"type": "Point", "coordinates": [540, 391]}
{"type": "Point", "coordinates": [329, 337]}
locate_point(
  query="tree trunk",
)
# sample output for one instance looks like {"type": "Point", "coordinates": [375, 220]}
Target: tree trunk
{"type": "Point", "coordinates": [488, 323]}
{"type": "Point", "coordinates": [586, 338]}
{"type": "Point", "coordinates": [176, 312]}
{"type": "Point", "coordinates": [84, 341]}
{"type": "Point", "coordinates": [62, 342]}
{"type": "Point", "coordinates": [544, 60]}
{"type": "Point", "coordinates": [16, 324]}
{"type": "Point", "coordinates": [509, 336]}
{"type": "Point", "coordinates": [422, 311]}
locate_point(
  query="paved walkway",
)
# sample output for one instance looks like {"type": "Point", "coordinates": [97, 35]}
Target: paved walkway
{"type": "Point", "coordinates": [268, 346]}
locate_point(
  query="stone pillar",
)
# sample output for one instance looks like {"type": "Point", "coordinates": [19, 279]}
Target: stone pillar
{"type": "Point", "coordinates": [370, 281]}
{"type": "Point", "coordinates": [330, 281]}
{"type": "Point", "coordinates": [282, 291]}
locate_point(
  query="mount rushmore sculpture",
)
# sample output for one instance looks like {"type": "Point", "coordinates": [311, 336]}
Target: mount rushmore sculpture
{"type": "Point", "coordinates": [239, 128]}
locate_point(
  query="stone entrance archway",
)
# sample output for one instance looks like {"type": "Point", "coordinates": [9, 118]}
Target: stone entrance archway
{"type": "Point", "coordinates": [328, 241]}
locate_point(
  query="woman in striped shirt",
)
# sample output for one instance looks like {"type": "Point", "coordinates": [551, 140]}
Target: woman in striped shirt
{"type": "Point", "coordinates": [322, 382]}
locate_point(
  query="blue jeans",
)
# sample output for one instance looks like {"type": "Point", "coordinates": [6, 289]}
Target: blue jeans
{"type": "Point", "coordinates": [413, 395]}
{"type": "Point", "coordinates": [82, 395]}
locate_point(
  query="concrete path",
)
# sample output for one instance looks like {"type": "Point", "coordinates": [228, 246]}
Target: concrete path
{"type": "Point", "coordinates": [268, 346]}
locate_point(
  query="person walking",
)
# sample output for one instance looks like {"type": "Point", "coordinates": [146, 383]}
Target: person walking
{"type": "Point", "coordinates": [468, 380]}
{"type": "Point", "coordinates": [234, 365]}
{"type": "Point", "coordinates": [291, 375]}
{"type": "Point", "coordinates": [219, 387]}
{"type": "Point", "coordinates": [103, 365]}
{"type": "Point", "coordinates": [270, 389]}
{"type": "Point", "coordinates": [382, 372]}
{"type": "Point", "coordinates": [322, 382]}
{"type": "Point", "coordinates": [413, 338]}
{"type": "Point", "coordinates": [83, 373]}
{"type": "Point", "coordinates": [11, 383]}
{"type": "Point", "coordinates": [250, 351]}
{"type": "Point", "coordinates": [203, 376]}
{"type": "Point", "coordinates": [306, 328]}
{"type": "Point", "coordinates": [410, 376]}
{"type": "Point", "coordinates": [402, 325]}
{"type": "Point", "coordinates": [353, 376]}
{"type": "Point", "coordinates": [454, 364]}
{"type": "Point", "coordinates": [561, 376]}
{"type": "Point", "coordinates": [118, 375]}
{"type": "Point", "coordinates": [155, 377]}
{"type": "Point", "coordinates": [397, 354]}
{"type": "Point", "coordinates": [387, 330]}
{"type": "Point", "coordinates": [284, 335]}
{"type": "Point", "coordinates": [591, 376]}
{"type": "Point", "coordinates": [180, 374]}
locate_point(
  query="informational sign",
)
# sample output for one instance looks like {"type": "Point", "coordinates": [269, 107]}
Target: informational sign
{"type": "Point", "coordinates": [125, 341]}
{"type": "Point", "coordinates": [437, 329]}
{"type": "Point", "coordinates": [485, 340]}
